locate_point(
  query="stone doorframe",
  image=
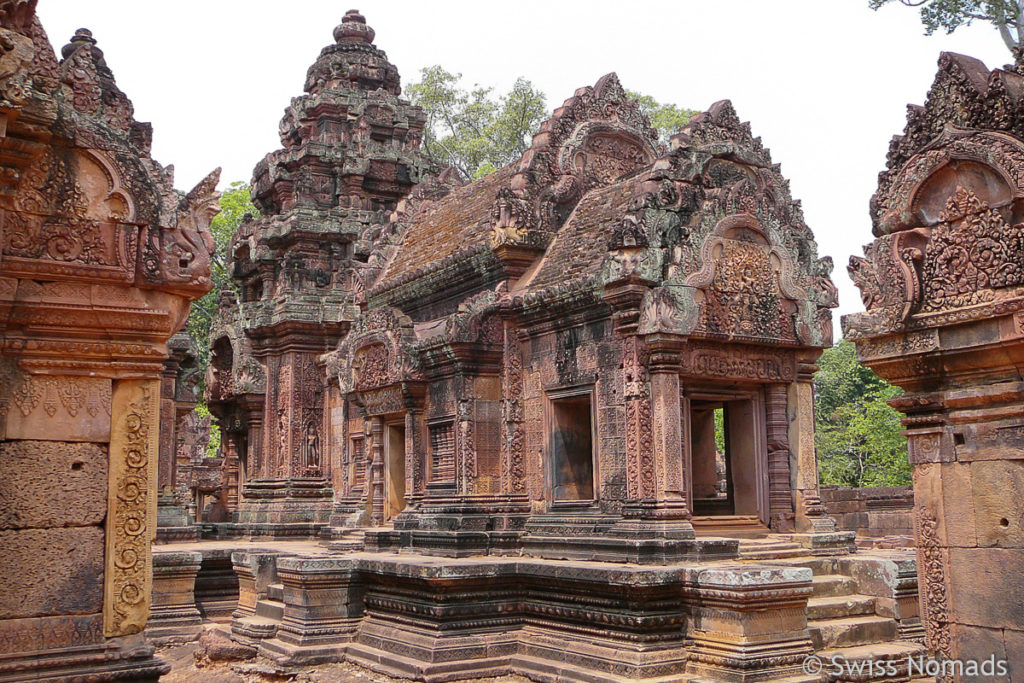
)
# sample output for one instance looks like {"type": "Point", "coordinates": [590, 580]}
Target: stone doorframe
{"type": "Point", "coordinates": [755, 395]}
{"type": "Point", "coordinates": [551, 397]}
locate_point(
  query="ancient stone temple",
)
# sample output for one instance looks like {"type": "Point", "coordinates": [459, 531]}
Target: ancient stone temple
{"type": "Point", "coordinates": [350, 153]}
{"type": "Point", "coordinates": [468, 428]}
{"type": "Point", "coordinates": [494, 403]}
{"type": "Point", "coordinates": [942, 285]}
{"type": "Point", "coordinates": [100, 259]}
{"type": "Point", "coordinates": [541, 355]}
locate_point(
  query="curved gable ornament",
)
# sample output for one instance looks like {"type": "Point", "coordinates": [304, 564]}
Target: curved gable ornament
{"type": "Point", "coordinates": [377, 352]}
{"type": "Point", "coordinates": [597, 136]}
{"type": "Point", "coordinates": [989, 164]}
{"type": "Point", "coordinates": [746, 288]}
{"type": "Point", "coordinates": [950, 234]}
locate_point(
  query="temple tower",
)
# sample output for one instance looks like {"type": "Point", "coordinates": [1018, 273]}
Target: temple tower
{"type": "Point", "coordinates": [350, 153]}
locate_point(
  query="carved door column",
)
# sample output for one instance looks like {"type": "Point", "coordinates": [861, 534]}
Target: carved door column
{"type": "Point", "coordinates": [168, 422]}
{"type": "Point", "coordinates": [415, 459]}
{"type": "Point", "coordinates": [231, 485]}
{"type": "Point", "coordinates": [780, 496]}
{"type": "Point", "coordinates": [655, 455]}
{"type": "Point", "coordinates": [667, 427]}
{"type": "Point", "coordinates": [375, 472]}
{"type": "Point", "coordinates": [810, 514]}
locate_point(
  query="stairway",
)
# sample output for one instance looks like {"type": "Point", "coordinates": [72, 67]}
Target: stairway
{"type": "Point", "coordinates": [263, 624]}
{"type": "Point", "coordinates": [347, 539]}
{"type": "Point", "coordinates": [769, 548]}
{"type": "Point", "coordinates": [844, 627]}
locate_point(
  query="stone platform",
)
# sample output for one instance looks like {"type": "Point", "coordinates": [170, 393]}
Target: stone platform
{"type": "Point", "coordinates": [408, 615]}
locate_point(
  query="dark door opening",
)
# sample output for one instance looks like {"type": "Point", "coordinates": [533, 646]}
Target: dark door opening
{"type": "Point", "coordinates": [710, 461]}
{"type": "Point", "coordinates": [572, 449]}
{"type": "Point", "coordinates": [394, 472]}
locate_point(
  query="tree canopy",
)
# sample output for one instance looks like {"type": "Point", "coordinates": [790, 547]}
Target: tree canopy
{"type": "Point", "coordinates": [478, 131]}
{"type": "Point", "coordinates": [857, 433]}
{"type": "Point", "coordinates": [475, 131]}
{"type": "Point", "coordinates": [667, 119]}
{"type": "Point", "coordinates": [234, 204]}
{"type": "Point", "coordinates": [949, 15]}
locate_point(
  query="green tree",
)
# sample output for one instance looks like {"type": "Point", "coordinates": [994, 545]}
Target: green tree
{"type": "Point", "coordinates": [213, 445]}
{"type": "Point", "coordinates": [234, 204]}
{"type": "Point", "coordinates": [949, 15]}
{"type": "Point", "coordinates": [667, 119]}
{"type": "Point", "coordinates": [857, 433]}
{"type": "Point", "coordinates": [474, 130]}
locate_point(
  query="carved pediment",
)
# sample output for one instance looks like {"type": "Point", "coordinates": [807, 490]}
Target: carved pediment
{"type": "Point", "coordinates": [950, 226]}
{"type": "Point", "coordinates": [596, 137]}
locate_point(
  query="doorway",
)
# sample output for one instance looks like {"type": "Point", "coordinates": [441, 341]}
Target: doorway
{"type": "Point", "coordinates": [394, 471]}
{"type": "Point", "coordinates": [728, 456]}
{"type": "Point", "coordinates": [571, 448]}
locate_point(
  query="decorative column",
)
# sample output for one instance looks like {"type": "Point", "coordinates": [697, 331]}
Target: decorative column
{"type": "Point", "coordinates": [375, 472]}
{"type": "Point", "coordinates": [780, 496]}
{"type": "Point", "coordinates": [810, 514]}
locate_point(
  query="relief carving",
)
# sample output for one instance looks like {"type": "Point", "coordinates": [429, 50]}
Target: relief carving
{"type": "Point", "coordinates": [131, 516]}
{"type": "Point", "coordinates": [932, 570]}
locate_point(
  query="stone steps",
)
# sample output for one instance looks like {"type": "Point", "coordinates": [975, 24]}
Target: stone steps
{"type": "Point", "coordinates": [857, 662]}
{"type": "Point", "coordinates": [346, 540]}
{"type": "Point", "coordinates": [838, 606]}
{"type": "Point", "coordinates": [851, 631]}
{"type": "Point", "coordinates": [275, 591]}
{"type": "Point", "coordinates": [270, 609]}
{"type": "Point", "coordinates": [770, 551]}
{"type": "Point", "coordinates": [832, 585]}
{"type": "Point", "coordinates": [251, 630]}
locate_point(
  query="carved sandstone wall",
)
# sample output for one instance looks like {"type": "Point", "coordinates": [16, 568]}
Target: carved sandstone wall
{"type": "Point", "coordinates": [99, 258]}
{"type": "Point", "coordinates": [942, 284]}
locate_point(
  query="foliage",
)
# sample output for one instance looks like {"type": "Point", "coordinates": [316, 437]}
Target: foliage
{"type": "Point", "coordinates": [720, 429]}
{"type": "Point", "coordinates": [474, 130]}
{"type": "Point", "coordinates": [213, 445]}
{"type": "Point", "coordinates": [857, 433]}
{"type": "Point", "coordinates": [949, 15]}
{"type": "Point", "coordinates": [478, 132]}
{"type": "Point", "coordinates": [667, 119]}
{"type": "Point", "coordinates": [234, 204]}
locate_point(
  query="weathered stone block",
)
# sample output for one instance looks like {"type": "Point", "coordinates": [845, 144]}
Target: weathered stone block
{"type": "Point", "coordinates": [979, 574]}
{"type": "Point", "coordinates": [998, 489]}
{"type": "Point", "coordinates": [51, 571]}
{"type": "Point", "coordinates": [52, 484]}
{"type": "Point", "coordinates": [977, 643]}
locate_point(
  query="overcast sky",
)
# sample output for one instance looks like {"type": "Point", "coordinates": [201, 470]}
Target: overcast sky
{"type": "Point", "coordinates": [825, 83]}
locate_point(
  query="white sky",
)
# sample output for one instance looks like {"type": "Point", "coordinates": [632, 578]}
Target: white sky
{"type": "Point", "coordinates": [825, 83]}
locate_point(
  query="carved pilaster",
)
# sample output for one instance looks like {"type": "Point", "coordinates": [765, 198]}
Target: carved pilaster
{"type": "Point", "coordinates": [780, 498]}
{"type": "Point", "coordinates": [131, 506]}
{"type": "Point", "coordinates": [376, 471]}
{"type": "Point", "coordinates": [640, 477]}
{"type": "Point", "coordinates": [667, 423]}
{"type": "Point", "coordinates": [513, 442]}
